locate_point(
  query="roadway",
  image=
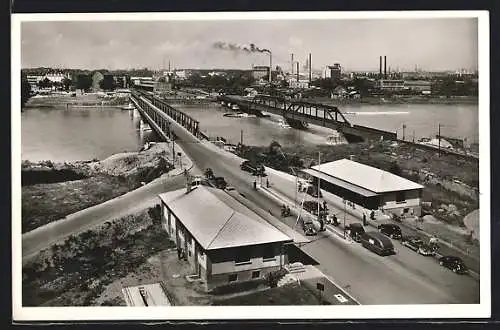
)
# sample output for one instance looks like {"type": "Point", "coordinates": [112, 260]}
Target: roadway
{"type": "Point", "coordinates": [405, 278]}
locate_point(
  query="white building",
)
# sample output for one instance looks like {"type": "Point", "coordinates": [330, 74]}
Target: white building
{"type": "Point", "coordinates": [224, 242]}
{"type": "Point", "coordinates": [368, 187]}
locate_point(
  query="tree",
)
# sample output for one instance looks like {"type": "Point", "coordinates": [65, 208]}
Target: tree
{"type": "Point", "coordinates": [45, 83]}
{"type": "Point", "coordinates": [25, 90]}
{"type": "Point", "coordinates": [274, 147]}
{"type": "Point", "coordinates": [66, 82]}
{"type": "Point", "coordinates": [84, 81]}
{"type": "Point", "coordinates": [107, 83]}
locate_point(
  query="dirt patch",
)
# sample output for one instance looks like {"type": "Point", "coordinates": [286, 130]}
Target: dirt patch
{"type": "Point", "coordinates": [114, 176]}
{"type": "Point", "coordinates": [76, 272]}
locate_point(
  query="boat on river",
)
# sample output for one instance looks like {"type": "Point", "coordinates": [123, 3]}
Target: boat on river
{"type": "Point", "coordinates": [130, 106]}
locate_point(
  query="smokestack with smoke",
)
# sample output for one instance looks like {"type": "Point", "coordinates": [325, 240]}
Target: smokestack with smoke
{"type": "Point", "coordinates": [251, 48]}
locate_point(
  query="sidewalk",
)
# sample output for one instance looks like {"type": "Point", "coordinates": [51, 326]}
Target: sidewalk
{"type": "Point", "coordinates": [282, 188]}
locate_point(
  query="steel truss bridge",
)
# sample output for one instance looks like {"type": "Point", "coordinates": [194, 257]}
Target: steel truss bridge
{"type": "Point", "coordinates": [296, 112]}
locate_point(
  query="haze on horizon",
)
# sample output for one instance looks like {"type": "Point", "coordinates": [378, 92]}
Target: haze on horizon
{"type": "Point", "coordinates": [434, 44]}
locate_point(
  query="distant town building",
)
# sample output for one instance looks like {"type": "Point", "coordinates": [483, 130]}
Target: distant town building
{"type": "Point", "coordinates": [339, 92]}
{"type": "Point", "coordinates": [367, 187]}
{"type": "Point", "coordinates": [181, 74]}
{"type": "Point", "coordinates": [293, 83]}
{"type": "Point", "coordinates": [223, 243]}
{"type": "Point", "coordinates": [259, 72]}
{"type": "Point", "coordinates": [335, 73]}
{"type": "Point", "coordinates": [420, 86]}
{"type": "Point", "coordinates": [391, 85]}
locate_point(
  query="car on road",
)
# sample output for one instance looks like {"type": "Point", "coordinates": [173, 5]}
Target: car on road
{"type": "Point", "coordinates": [417, 244]}
{"type": "Point", "coordinates": [454, 263]}
{"type": "Point", "coordinates": [391, 230]}
{"type": "Point", "coordinates": [355, 231]}
{"type": "Point", "coordinates": [254, 169]}
{"type": "Point", "coordinates": [312, 207]}
{"type": "Point", "coordinates": [378, 243]}
{"type": "Point", "coordinates": [218, 182]}
{"type": "Point", "coordinates": [230, 188]}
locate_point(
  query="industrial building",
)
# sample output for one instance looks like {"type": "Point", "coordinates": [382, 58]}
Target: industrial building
{"type": "Point", "coordinates": [391, 85]}
{"type": "Point", "coordinates": [260, 72]}
{"type": "Point", "coordinates": [368, 187]}
{"type": "Point", "coordinates": [335, 72]}
{"type": "Point", "coordinates": [224, 242]}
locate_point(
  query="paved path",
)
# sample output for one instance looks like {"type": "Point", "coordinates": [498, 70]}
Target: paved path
{"type": "Point", "coordinates": [134, 201]}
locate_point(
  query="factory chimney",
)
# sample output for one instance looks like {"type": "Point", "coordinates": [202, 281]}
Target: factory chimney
{"type": "Point", "coordinates": [385, 67]}
{"type": "Point", "coordinates": [310, 69]}
{"type": "Point", "coordinates": [380, 69]}
{"type": "Point", "coordinates": [270, 66]}
{"type": "Point", "coordinates": [297, 70]}
{"type": "Point", "coordinates": [292, 63]}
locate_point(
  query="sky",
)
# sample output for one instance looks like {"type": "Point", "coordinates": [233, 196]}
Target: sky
{"type": "Point", "coordinates": [432, 43]}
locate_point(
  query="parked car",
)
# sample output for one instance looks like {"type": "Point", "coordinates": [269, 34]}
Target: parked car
{"type": "Point", "coordinates": [254, 169]}
{"type": "Point", "coordinates": [378, 243]}
{"type": "Point", "coordinates": [391, 230]}
{"type": "Point", "coordinates": [412, 242]}
{"type": "Point", "coordinates": [454, 263]}
{"type": "Point", "coordinates": [312, 207]}
{"type": "Point", "coordinates": [355, 231]}
{"type": "Point", "coordinates": [218, 182]}
{"type": "Point", "coordinates": [308, 227]}
{"type": "Point", "coordinates": [229, 188]}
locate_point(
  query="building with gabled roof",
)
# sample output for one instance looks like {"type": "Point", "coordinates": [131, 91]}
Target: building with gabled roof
{"type": "Point", "coordinates": [368, 187]}
{"type": "Point", "coordinates": [223, 241]}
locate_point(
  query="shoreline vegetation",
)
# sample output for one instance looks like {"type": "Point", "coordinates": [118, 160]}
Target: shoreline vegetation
{"type": "Point", "coordinates": [51, 191]}
{"type": "Point", "coordinates": [456, 100]}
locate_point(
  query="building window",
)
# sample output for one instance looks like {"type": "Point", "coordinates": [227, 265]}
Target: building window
{"type": "Point", "coordinates": [400, 197]}
{"type": "Point", "coordinates": [242, 259]}
{"type": "Point", "coordinates": [233, 277]}
{"type": "Point", "coordinates": [269, 254]}
{"type": "Point", "coordinates": [256, 274]}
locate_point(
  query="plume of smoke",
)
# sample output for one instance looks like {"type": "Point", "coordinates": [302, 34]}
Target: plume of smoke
{"type": "Point", "coordinates": [251, 48]}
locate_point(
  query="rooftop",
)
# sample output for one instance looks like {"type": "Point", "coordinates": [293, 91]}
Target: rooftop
{"type": "Point", "coordinates": [370, 179]}
{"type": "Point", "coordinates": [216, 221]}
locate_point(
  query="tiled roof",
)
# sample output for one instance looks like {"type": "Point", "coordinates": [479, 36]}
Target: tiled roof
{"type": "Point", "coordinates": [214, 224]}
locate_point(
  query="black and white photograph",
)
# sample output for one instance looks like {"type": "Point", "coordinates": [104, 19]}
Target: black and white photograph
{"type": "Point", "coordinates": [288, 165]}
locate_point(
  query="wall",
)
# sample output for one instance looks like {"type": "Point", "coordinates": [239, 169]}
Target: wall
{"type": "Point", "coordinates": [412, 201]}
{"type": "Point", "coordinates": [243, 276]}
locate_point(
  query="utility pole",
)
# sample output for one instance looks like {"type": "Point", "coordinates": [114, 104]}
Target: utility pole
{"type": "Point", "coordinates": [241, 137]}
{"type": "Point", "coordinates": [413, 136]}
{"type": "Point", "coordinates": [404, 126]}
{"type": "Point", "coordinates": [439, 140]}
{"type": "Point", "coordinates": [344, 200]}
{"type": "Point", "coordinates": [319, 180]}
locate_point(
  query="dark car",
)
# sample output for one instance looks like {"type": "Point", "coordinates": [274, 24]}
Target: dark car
{"type": "Point", "coordinates": [252, 168]}
{"type": "Point", "coordinates": [308, 227]}
{"type": "Point", "coordinates": [218, 182]}
{"type": "Point", "coordinates": [391, 230]}
{"type": "Point", "coordinates": [454, 263]}
{"type": "Point", "coordinates": [312, 207]}
{"type": "Point", "coordinates": [355, 231]}
{"type": "Point", "coordinates": [378, 243]}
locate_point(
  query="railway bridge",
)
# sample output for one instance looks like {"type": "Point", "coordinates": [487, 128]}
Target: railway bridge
{"type": "Point", "coordinates": [159, 114]}
{"type": "Point", "coordinates": [296, 112]}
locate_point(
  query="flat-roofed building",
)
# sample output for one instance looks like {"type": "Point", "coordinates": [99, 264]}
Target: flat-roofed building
{"type": "Point", "coordinates": [223, 241]}
{"type": "Point", "coordinates": [391, 85]}
{"type": "Point", "coordinates": [368, 187]}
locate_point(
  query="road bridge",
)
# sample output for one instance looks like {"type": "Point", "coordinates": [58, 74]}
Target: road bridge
{"type": "Point", "coordinates": [297, 111]}
{"type": "Point", "coordinates": [160, 120]}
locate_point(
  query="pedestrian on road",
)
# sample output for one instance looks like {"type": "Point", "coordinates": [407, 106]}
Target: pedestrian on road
{"type": "Point", "coordinates": [364, 219]}
{"type": "Point", "coordinates": [267, 182]}
{"type": "Point", "coordinates": [179, 253]}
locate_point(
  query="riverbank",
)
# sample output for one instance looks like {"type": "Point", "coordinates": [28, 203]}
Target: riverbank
{"type": "Point", "coordinates": [65, 101]}
{"type": "Point", "coordinates": [51, 191]}
{"type": "Point", "coordinates": [397, 100]}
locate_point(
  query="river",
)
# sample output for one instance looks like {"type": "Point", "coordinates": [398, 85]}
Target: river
{"type": "Point", "coordinates": [88, 133]}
